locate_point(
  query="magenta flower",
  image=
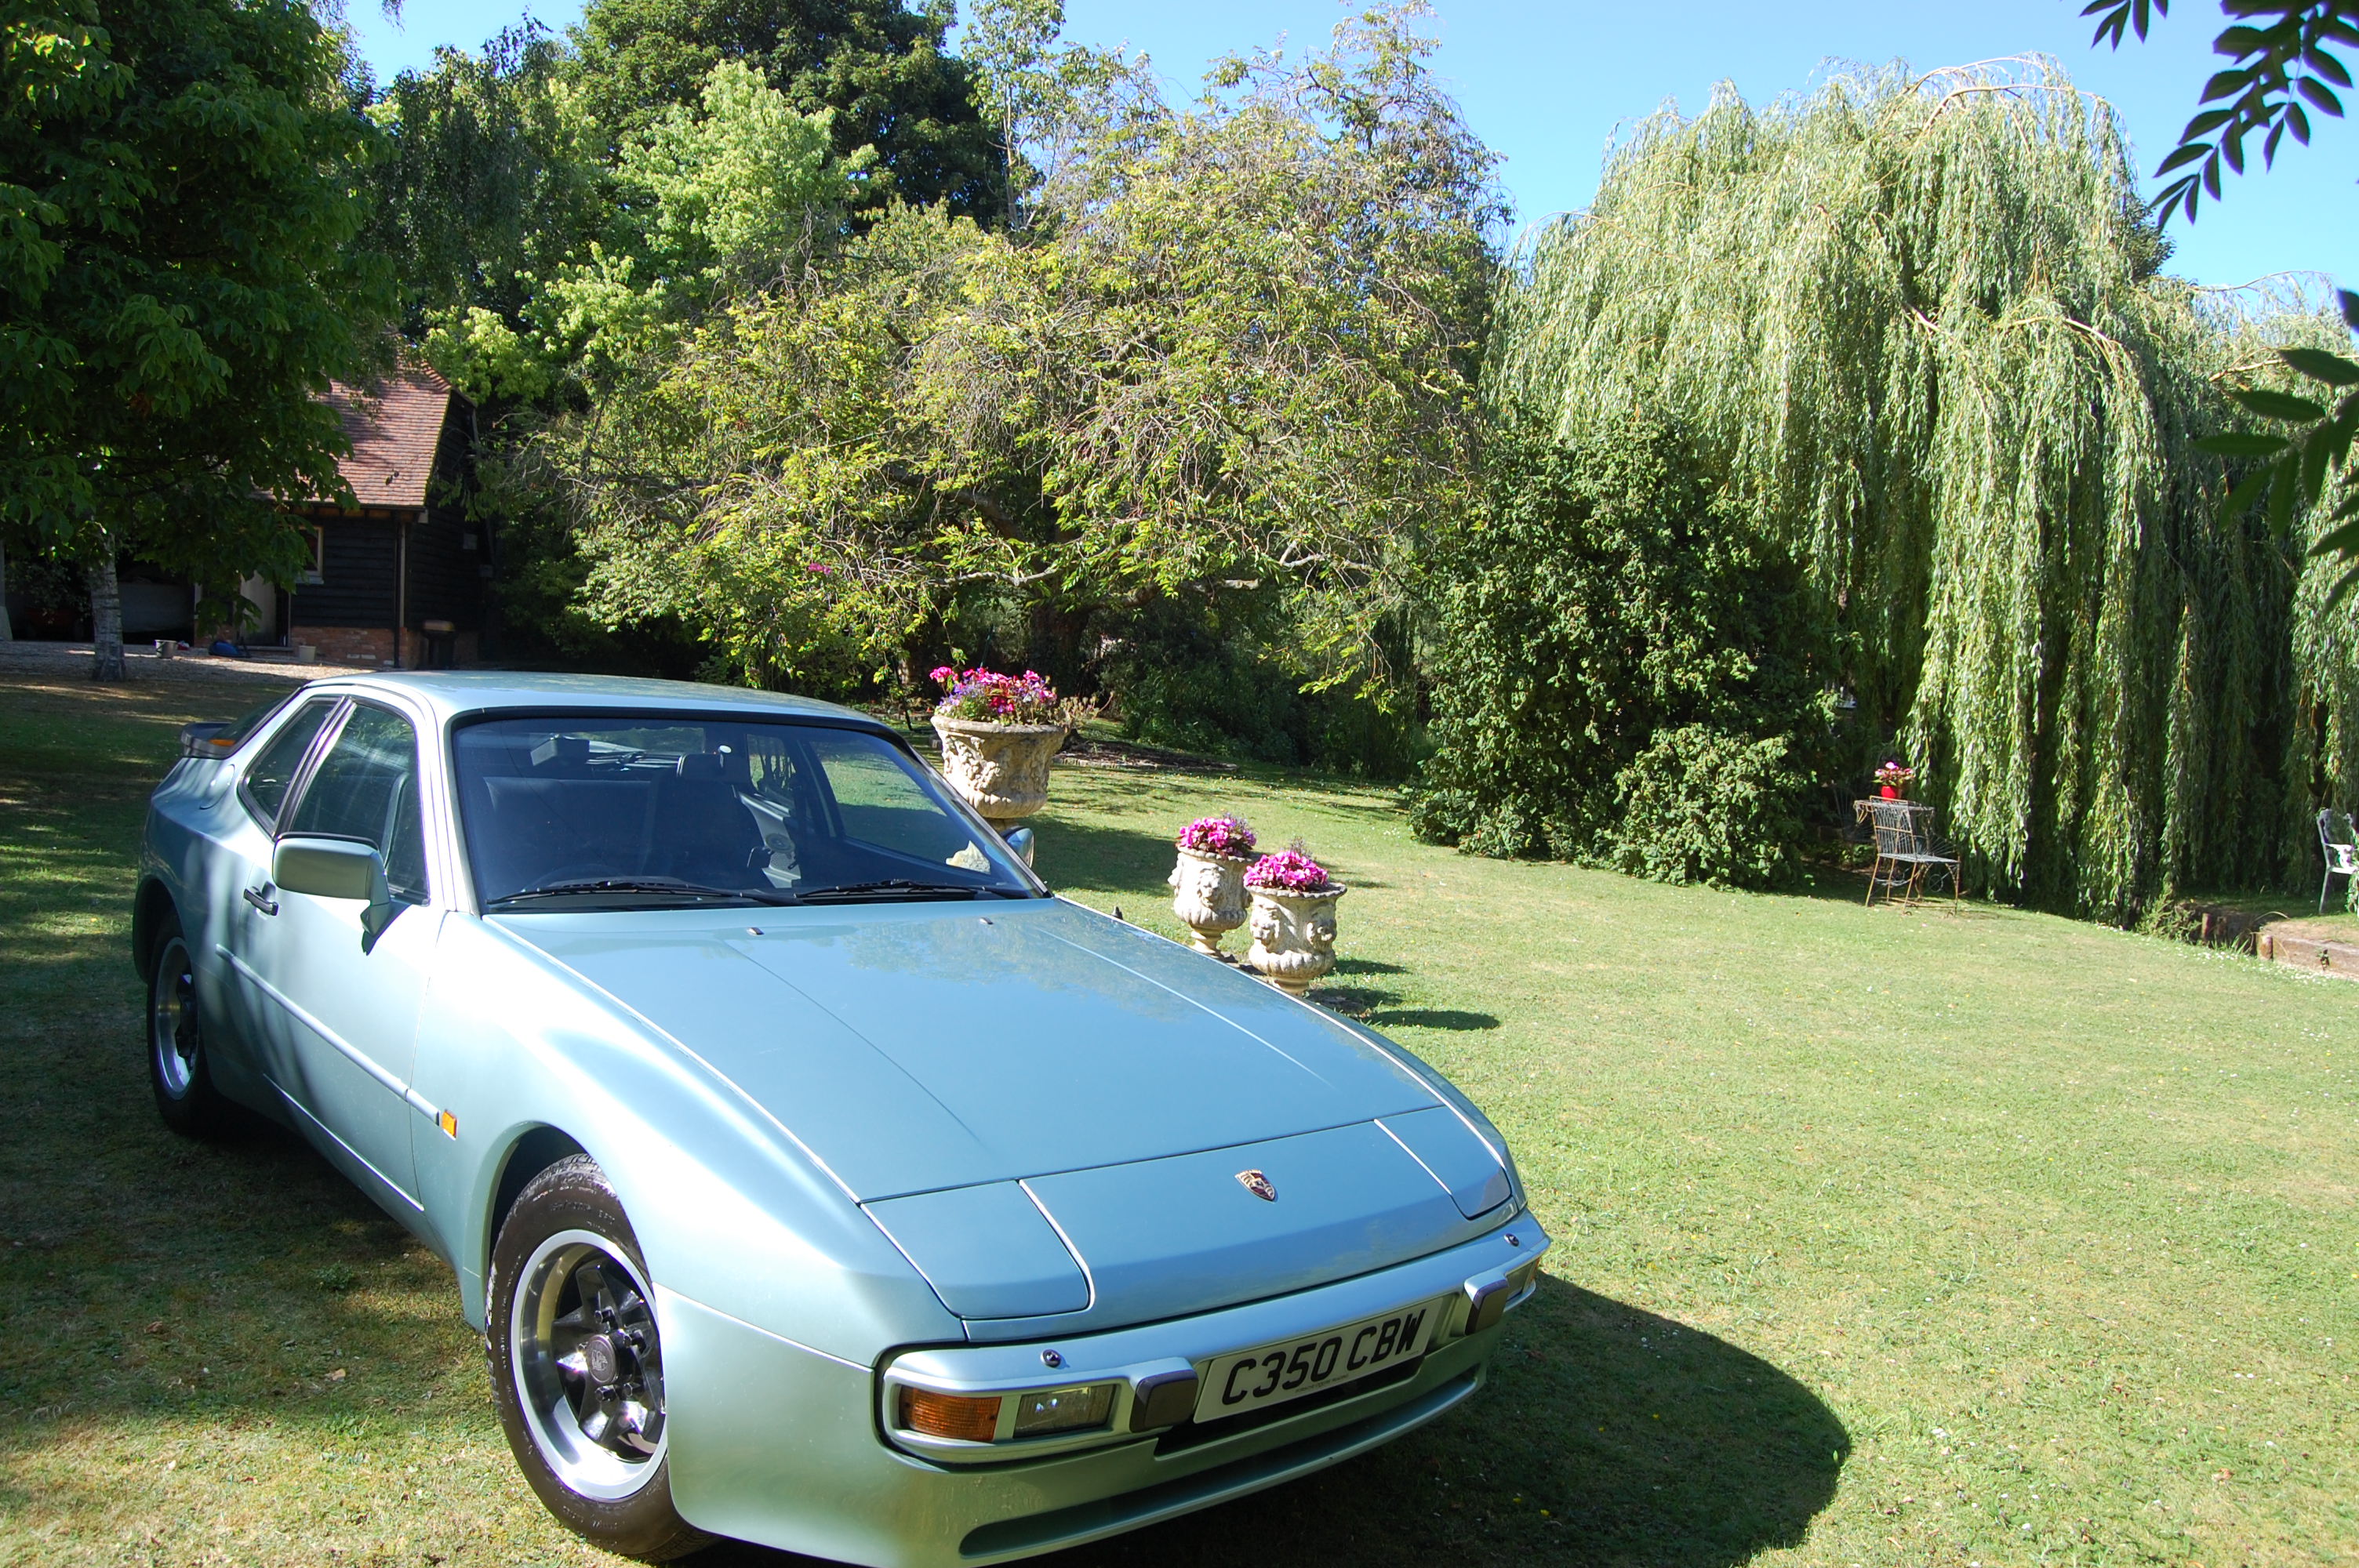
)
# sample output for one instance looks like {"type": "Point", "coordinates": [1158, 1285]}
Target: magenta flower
{"type": "Point", "coordinates": [1224, 836]}
{"type": "Point", "coordinates": [1288, 870]}
{"type": "Point", "coordinates": [981, 694]}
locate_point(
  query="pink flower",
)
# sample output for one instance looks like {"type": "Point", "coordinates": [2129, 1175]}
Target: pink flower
{"type": "Point", "coordinates": [1290, 870]}
{"type": "Point", "coordinates": [1225, 836]}
{"type": "Point", "coordinates": [983, 695]}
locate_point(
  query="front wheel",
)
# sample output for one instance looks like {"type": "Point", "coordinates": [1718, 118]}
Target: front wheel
{"type": "Point", "coordinates": [577, 1364]}
{"type": "Point", "coordinates": [178, 1071]}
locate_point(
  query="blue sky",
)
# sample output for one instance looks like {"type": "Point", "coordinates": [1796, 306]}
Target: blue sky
{"type": "Point", "coordinates": [1549, 84]}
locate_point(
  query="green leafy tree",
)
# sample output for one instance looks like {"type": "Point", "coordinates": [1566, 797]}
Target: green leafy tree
{"type": "Point", "coordinates": [1011, 46]}
{"type": "Point", "coordinates": [780, 480]}
{"type": "Point", "coordinates": [181, 182]}
{"type": "Point", "coordinates": [1045, 100]}
{"type": "Point", "coordinates": [1920, 323]}
{"type": "Point", "coordinates": [2305, 470]}
{"type": "Point", "coordinates": [708, 202]}
{"type": "Point", "coordinates": [879, 65]}
{"type": "Point", "coordinates": [2288, 64]}
{"type": "Point", "coordinates": [492, 176]}
{"type": "Point", "coordinates": [1625, 672]}
{"type": "Point", "coordinates": [1245, 348]}
{"type": "Point", "coordinates": [1239, 348]}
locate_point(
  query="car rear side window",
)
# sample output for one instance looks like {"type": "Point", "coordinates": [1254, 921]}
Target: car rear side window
{"type": "Point", "coordinates": [232, 736]}
{"type": "Point", "coordinates": [366, 788]}
{"type": "Point", "coordinates": [274, 767]}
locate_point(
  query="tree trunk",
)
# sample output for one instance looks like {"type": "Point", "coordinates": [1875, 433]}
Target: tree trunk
{"type": "Point", "coordinates": [7, 633]}
{"type": "Point", "coordinates": [107, 622]}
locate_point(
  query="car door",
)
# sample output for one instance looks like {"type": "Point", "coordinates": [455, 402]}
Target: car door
{"type": "Point", "coordinates": [243, 890]}
{"type": "Point", "coordinates": [347, 1006]}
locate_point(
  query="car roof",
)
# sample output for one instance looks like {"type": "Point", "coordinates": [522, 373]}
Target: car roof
{"type": "Point", "coordinates": [461, 693]}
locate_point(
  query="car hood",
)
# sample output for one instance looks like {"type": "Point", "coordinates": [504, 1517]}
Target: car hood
{"type": "Point", "coordinates": [913, 1048]}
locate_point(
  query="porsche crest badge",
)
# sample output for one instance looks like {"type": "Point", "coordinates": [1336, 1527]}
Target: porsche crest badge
{"type": "Point", "coordinates": [1259, 1185]}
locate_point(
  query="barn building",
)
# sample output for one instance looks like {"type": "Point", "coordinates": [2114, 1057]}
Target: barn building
{"type": "Point", "coordinates": [401, 579]}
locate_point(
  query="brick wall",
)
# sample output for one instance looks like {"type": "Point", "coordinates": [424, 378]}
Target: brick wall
{"type": "Point", "coordinates": [362, 645]}
{"type": "Point", "coordinates": [366, 645]}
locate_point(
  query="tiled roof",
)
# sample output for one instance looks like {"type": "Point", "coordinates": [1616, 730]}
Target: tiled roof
{"type": "Point", "coordinates": [394, 426]}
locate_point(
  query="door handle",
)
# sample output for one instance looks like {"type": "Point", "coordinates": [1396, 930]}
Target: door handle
{"type": "Point", "coordinates": [260, 898]}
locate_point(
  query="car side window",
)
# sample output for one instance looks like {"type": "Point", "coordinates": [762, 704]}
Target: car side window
{"type": "Point", "coordinates": [366, 788]}
{"type": "Point", "coordinates": [274, 767]}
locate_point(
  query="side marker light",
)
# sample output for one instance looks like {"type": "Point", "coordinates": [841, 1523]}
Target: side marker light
{"type": "Point", "coordinates": [448, 1123]}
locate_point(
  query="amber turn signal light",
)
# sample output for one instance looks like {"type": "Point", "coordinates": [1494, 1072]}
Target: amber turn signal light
{"type": "Point", "coordinates": [962, 1417]}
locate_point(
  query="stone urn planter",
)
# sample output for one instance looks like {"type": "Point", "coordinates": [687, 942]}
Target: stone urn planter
{"type": "Point", "coordinates": [1208, 896]}
{"type": "Point", "coordinates": [1293, 936]}
{"type": "Point", "coordinates": [1001, 770]}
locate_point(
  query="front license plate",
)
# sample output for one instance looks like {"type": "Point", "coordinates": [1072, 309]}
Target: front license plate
{"type": "Point", "coordinates": [1254, 1379]}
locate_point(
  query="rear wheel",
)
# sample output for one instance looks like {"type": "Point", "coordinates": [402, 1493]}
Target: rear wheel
{"type": "Point", "coordinates": [577, 1364]}
{"type": "Point", "coordinates": [178, 1068]}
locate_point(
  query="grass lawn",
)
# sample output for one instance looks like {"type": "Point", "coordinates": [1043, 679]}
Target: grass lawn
{"type": "Point", "coordinates": [1927, 1238]}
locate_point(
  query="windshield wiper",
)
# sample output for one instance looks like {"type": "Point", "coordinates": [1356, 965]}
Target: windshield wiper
{"type": "Point", "coordinates": [668, 886]}
{"type": "Point", "coordinates": [895, 885]}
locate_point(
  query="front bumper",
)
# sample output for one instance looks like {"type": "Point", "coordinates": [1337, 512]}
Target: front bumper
{"type": "Point", "coordinates": [773, 1443]}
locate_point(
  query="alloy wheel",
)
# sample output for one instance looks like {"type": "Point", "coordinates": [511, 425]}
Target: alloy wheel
{"type": "Point", "coordinates": [588, 1365]}
{"type": "Point", "coordinates": [172, 1033]}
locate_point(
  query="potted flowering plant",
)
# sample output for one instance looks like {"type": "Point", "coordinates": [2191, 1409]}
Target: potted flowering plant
{"type": "Point", "coordinates": [997, 733]}
{"type": "Point", "coordinates": [1208, 884]}
{"type": "Point", "coordinates": [1893, 779]}
{"type": "Point", "coordinates": [1293, 918]}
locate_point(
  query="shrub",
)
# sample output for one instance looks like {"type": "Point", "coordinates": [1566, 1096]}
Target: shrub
{"type": "Point", "coordinates": [1702, 804]}
{"type": "Point", "coordinates": [1625, 674]}
{"type": "Point", "coordinates": [1207, 672]}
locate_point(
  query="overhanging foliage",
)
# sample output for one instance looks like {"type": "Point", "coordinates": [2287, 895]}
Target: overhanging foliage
{"type": "Point", "coordinates": [1920, 320]}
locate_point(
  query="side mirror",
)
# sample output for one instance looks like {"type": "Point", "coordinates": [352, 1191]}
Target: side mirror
{"type": "Point", "coordinates": [336, 868]}
{"type": "Point", "coordinates": [198, 739]}
{"type": "Point", "coordinates": [1020, 840]}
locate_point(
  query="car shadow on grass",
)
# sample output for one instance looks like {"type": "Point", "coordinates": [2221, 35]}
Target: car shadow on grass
{"type": "Point", "coordinates": [1605, 1436]}
{"type": "Point", "coordinates": [1454, 1019]}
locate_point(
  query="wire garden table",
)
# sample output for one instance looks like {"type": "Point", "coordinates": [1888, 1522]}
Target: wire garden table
{"type": "Point", "coordinates": [1906, 848]}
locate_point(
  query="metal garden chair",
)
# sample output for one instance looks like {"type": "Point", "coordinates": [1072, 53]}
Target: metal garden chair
{"type": "Point", "coordinates": [1906, 850]}
{"type": "Point", "coordinates": [2335, 843]}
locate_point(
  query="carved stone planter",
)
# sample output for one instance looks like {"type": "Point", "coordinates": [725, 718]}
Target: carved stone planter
{"type": "Point", "coordinates": [1293, 936]}
{"type": "Point", "coordinates": [1208, 896]}
{"type": "Point", "coordinates": [1001, 770]}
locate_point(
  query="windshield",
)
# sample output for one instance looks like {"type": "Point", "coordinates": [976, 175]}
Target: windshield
{"type": "Point", "coordinates": [632, 812]}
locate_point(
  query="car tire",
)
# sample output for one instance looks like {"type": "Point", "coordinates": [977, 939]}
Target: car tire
{"type": "Point", "coordinates": [576, 1364]}
{"type": "Point", "coordinates": [179, 1069]}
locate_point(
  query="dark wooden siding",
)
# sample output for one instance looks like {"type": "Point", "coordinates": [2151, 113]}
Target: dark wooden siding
{"type": "Point", "coordinates": [359, 557]}
{"type": "Point", "coordinates": [362, 557]}
{"type": "Point", "coordinates": [442, 581]}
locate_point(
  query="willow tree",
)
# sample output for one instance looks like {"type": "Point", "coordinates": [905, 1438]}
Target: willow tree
{"type": "Point", "coordinates": [1920, 322]}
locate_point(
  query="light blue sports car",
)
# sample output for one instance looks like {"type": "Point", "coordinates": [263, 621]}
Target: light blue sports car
{"type": "Point", "coordinates": [818, 1177]}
